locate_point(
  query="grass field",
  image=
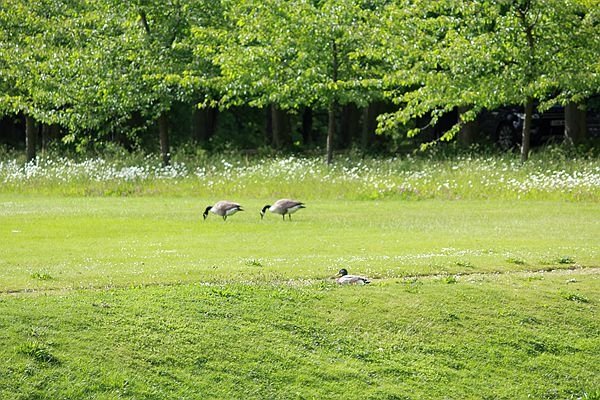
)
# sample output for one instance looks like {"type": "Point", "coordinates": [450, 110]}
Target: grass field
{"type": "Point", "coordinates": [76, 243]}
{"type": "Point", "coordinates": [109, 297]}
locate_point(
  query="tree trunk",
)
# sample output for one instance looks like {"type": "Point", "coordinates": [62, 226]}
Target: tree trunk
{"type": "Point", "coordinates": [268, 131]}
{"type": "Point", "coordinates": [30, 138]}
{"type": "Point", "coordinates": [331, 131]}
{"type": "Point", "coordinates": [350, 124]}
{"type": "Point", "coordinates": [575, 124]}
{"type": "Point", "coordinates": [523, 11]}
{"type": "Point", "coordinates": [307, 126]}
{"type": "Point", "coordinates": [332, 104]}
{"type": "Point", "coordinates": [279, 126]}
{"type": "Point", "coordinates": [526, 136]}
{"type": "Point", "coordinates": [163, 132]}
{"type": "Point", "coordinates": [45, 137]}
{"type": "Point", "coordinates": [276, 126]}
{"type": "Point", "coordinates": [49, 133]}
{"type": "Point", "coordinates": [204, 123]}
{"type": "Point", "coordinates": [369, 125]}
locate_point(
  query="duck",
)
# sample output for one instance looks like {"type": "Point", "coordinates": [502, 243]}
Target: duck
{"type": "Point", "coordinates": [283, 207]}
{"type": "Point", "coordinates": [223, 208]}
{"type": "Point", "coordinates": [343, 278]}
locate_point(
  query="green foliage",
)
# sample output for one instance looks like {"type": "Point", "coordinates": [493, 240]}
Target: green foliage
{"type": "Point", "coordinates": [43, 276]}
{"type": "Point", "coordinates": [516, 260]}
{"type": "Point", "coordinates": [93, 66]}
{"type": "Point", "coordinates": [482, 55]}
{"type": "Point", "coordinates": [253, 263]}
{"type": "Point", "coordinates": [283, 52]}
{"type": "Point", "coordinates": [106, 67]}
{"type": "Point", "coordinates": [566, 260]}
{"type": "Point", "coordinates": [450, 279]}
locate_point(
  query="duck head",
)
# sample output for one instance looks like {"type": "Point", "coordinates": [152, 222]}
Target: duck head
{"type": "Point", "coordinates": [342, 272]}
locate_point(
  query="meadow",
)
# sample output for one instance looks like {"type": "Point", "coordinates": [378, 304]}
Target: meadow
{"type": "Point", "coordinates": [485, 279]}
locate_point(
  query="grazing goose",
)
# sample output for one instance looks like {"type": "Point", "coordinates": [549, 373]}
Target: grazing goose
{"type": "Point", "coordinates": [223, 208]}
{"type": "Point", "coordinates": [283, 207]}
{"type": "Point", "coordinates": [344, 279]}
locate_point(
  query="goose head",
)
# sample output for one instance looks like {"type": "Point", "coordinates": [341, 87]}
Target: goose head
{"type": "Point", "coordinates": [264, 210]}
{"type": "Point", "coordinates": [205, 214]}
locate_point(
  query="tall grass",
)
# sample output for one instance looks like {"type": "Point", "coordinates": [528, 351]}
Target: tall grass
{"type": "Point", "coordinates": [549, 175]}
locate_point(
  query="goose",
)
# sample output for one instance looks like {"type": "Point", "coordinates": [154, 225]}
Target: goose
{"type": "Point", "coordinates": [283, 207]}
{"type": "Point", "coordinates": [223, 208]}
{"type": "Point", "coordinates": [344, 279]}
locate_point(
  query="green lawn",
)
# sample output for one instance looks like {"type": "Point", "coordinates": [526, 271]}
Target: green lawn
{"type": "Point", "coordinates": [139, 298]}
{"type": "Point", "coordinates": [55, 242]}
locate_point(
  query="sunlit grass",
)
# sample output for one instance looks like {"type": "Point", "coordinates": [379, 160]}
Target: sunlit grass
{"type": "Point", "coordinates": [74, 242]}
{"type": "Point", "coordinates": [485, 279]}
{"type": "Point", "coordinates": [477, 337]}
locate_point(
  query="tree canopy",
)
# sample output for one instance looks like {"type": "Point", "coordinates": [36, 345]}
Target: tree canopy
{"type": "Point", "coordinates": [94, 67]}
{"type": "Point", "coordinates": [483, 55]}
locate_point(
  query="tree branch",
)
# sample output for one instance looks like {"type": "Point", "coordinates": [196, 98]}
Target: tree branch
{"type": "Point", "coordinates": [144, 20]}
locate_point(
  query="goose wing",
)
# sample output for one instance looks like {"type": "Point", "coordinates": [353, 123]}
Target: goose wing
{"type": "Point", "coordinates": [353, 279]}
{"type": "Point", "coordinates": [226, 205]}
{"type": "Point", "coordinates": [287, 203]}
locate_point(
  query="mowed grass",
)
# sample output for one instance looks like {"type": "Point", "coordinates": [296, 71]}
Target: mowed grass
{"type": "Point", "coordinates": [507, 336]}
{"type": "Point", "coordinates": [139, 298]}
{"type": "Point", "coordinates": [74, 243]}
{"type": "Point", "coordinates": [482, 337]}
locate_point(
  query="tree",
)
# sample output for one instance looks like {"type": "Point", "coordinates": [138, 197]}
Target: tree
{"type": "Point", "coordinates": [35, 43]}
{"type": "Point", "coordinates": [579, 77]}
{"type": "Point", "coordinates": [63, 65]}
{"type": "Point", "coordinates": [476, 55]}
{"type": "Point", "coordinates": [297, 54]}
{"type": "Point", "coordinates": [134, 59]}
{"type": "Point", "coordinates": [157, 43]}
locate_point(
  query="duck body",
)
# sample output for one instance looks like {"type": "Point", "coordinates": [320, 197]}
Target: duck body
{"type": "Point", "coordinates": [283, 207]}
{"type": "Point", "coordinates": [223, 209]}
{"type": "Point", "coordinates": [343, 278]}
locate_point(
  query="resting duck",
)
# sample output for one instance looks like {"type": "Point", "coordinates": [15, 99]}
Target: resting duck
{"type": "Point", "coordinates": [223, 208]}
{"type": "Point", "coordinates": [282, 207]}
{"type": "Point", "coordinates": [344, 279]}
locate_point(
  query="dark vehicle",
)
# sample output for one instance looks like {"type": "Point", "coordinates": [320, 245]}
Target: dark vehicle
{"type": "Point", "coordinates": [504, 126]}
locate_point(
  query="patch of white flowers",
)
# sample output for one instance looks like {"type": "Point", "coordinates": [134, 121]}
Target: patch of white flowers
{"type": "Point", "coordinates": [370, 178]}
{"type": "Point", "coordinates": [95, 170]}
